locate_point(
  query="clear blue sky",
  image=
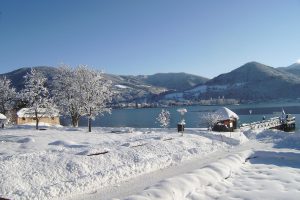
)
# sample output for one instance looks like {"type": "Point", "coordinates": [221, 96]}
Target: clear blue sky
{"type": "Point", "coordinates": [149, 36]}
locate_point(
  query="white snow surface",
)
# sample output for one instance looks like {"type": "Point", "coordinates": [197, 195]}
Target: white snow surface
{"type": "Point", "coordinates": [70, 163]}
{"type": "Point", "coordinates": [226, 113]}
{"type": "Point", "coordinates": [42, 112]}
{"type": "Point", "coordinates": [2, 116]}
{"type": "Point", "coordinates": [121, 86]}
{"type": "Point", "coordinates": [268, 173]}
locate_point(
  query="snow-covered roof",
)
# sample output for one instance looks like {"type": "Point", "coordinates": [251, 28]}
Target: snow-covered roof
{"type": "Point", "coordinates": [225, 113]}
{"type": "Point", "coordinates": [182, 110]}
{"type": "Point", "coordinates": [2, 116]}
{"type": "Point", "coordinates": [43, 112]}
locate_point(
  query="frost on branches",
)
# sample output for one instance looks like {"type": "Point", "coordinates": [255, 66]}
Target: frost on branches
{"type": "Point", "coordinates": [8, 95]}
{"type": "Point", "coordinates": [82, 92]}
{"type": "Point", "coordinates": [164, 118]}
{"type": "Point", "coordinates": [67, 95]}
{"type": "Point", "coordinates": [36, 96]}
{"type": "Point", "coordinates": [210, 119]}
{"type": "Point", "coordinates": [95, 92]}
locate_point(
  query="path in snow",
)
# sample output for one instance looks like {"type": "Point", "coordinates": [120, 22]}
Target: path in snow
{"type": "Point", "coordinates": [269, 175]}
{"type": "Point", "coordinates": [141, 182]}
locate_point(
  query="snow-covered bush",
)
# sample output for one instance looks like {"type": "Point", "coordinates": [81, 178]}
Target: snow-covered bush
{"type": "Point", "coordinates": [164, 118]}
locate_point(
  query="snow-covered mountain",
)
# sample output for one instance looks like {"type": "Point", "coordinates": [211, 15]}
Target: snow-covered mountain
{"type": "Point", "coordinates": [127, 88]}
{"type": "Point", "coordinates": [294, 69]}
{"type": "Point", "coordinates": [173, 81]}
{"type": "Point", "coordinates": [252, 81]}
{"type": "Point", "coordinates": [17, 76]}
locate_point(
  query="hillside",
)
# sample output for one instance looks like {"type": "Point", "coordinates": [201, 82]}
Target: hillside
{"type": "Point", "coordinates": [127, 88]}
{"type": "Point", "coordinates": [253, 72]}
{"type": "Point", "coordinates": [294, 69]}
{"type": "Point", "coordinates": [174, 81]}
{"type": "Point", "coordinates": [17, 76]}
{"type": "Point", "coordinates": [251, 81]}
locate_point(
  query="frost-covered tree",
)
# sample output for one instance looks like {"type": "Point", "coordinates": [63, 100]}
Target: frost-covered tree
{"type": "Point", "coordinates": [82, 92]}
{"type": "Point", "coordinates": [8, 95]}
{"type": "Point", "coordinates": [210, 119]}
{"type": "Point", "coordinates": [67, 95]}
{"type": "Point", "coordinates": [36, 96]}
{"type": "Point", "coordinates": [95, 93]}
{"type": "Point", "coordinates": [164, 118]}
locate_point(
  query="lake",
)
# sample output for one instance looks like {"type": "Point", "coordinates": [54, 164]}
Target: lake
{"type": "Point", "coordinates": [146, 117]}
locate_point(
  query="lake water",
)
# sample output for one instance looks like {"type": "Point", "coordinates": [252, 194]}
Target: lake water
{"type": "Point", "coordinates": [145, 117]}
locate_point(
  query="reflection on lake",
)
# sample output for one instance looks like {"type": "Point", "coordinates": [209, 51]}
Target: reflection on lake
{"type": "Point", "coordinates": [145, 117]}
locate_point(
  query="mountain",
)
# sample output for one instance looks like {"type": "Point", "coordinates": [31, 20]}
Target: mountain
{"type": "Point", "coordinates": [130, 88]}
{"type": "Point", "coordinates": [294, 69]}
{"type": "Point", "coordinates": [17, 76]}
{"type": "Point", "coordinates": [127, 88]}
{"type": "Point", "coordinates": [251, 81]}
{"type": "Point", "coordinates": [173, 81]}
{"type": "Point", "coordinates": [253, 72]}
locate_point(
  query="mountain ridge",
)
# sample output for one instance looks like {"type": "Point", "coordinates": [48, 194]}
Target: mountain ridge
{"type": "Point", "coordinates": [251, 81]}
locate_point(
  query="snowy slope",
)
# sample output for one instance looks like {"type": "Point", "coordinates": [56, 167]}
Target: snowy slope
{"type": "Point", "coordinates": [60, 162]}
{"type": "Point", "coordinates": [261, 173]}
{"type": "Point", "coordinates": [68, 163]}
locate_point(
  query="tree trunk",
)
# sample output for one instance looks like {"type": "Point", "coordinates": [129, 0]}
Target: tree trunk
{"type": "Point", "coordinates": [90, 124]}
{"type": "Point", "coordinates": [75, 120]}
{"type": "Point", "coordinates": [36, 121]}
{"type": "Point", "coordinates": [90, 120]}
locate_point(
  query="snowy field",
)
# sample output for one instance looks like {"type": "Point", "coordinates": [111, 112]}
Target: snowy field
{"type": "Point", "coordinates": [136, 164]}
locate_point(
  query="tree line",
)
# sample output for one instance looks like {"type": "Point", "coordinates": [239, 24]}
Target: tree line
{"type": "Point", "coordinates": [77, 92]}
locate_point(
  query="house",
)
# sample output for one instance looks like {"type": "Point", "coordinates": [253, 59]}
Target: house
{"type": "Point", "coordinates": [2, 120]}
{"type": "Point", "coordinates": [227, 120]}
{"type": "Point", "coordinates": [27, 116]}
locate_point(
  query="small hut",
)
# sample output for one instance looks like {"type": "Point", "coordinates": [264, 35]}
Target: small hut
{"type": "Point", "coordinates": [2, 120]}
{"type": "Point", "coordinates": [27, 116]}
{"type": "Point", "coordinates": [227, 120]}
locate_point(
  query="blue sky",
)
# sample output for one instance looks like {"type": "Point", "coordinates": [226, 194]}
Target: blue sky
{"type": "Point", "coordinates": [149, 36]}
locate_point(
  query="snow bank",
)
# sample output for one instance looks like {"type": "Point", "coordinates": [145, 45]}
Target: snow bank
{"type": "Point", "coordinates": [280, 139]}
{"type": "Point", "coordinates": [270, 174]}
{"type": "Point", "coordinates": [2, 117]}
{"type": "Point", "coordinates": [291, 141]}
{"type": "Point", "coordinates": [60, 162]}
{"type": "Point", "coordinates": [231, 138]}
{"type": "Point", "coordinates": [185, 186]}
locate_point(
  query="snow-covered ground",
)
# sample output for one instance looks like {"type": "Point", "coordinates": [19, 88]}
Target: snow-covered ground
{"type": "Point", "coordinates": [127, 163]}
